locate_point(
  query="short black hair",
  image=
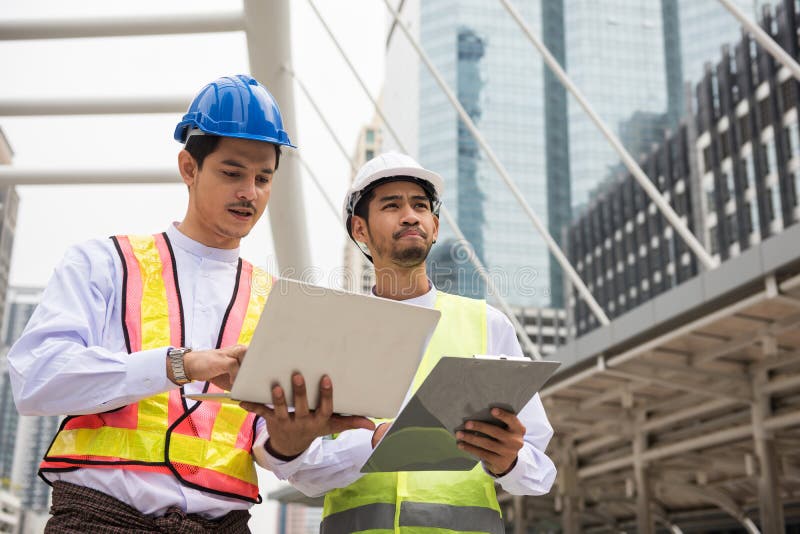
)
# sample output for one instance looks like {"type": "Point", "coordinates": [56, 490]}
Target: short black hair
{"type": "Point", "coordinates": [362, 208]}
{"type": "Point", "coordinates": [200, 146]}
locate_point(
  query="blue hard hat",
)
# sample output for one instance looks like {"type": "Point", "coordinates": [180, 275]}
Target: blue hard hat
{"type": "Point", "coordinates": [235, 106]}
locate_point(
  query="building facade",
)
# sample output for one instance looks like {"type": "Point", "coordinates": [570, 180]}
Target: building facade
{"type": "Point", "coordinates": [731, 171]}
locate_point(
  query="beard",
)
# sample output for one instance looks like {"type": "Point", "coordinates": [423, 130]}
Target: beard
{"type": "Point", "coordinates": [411, 256]}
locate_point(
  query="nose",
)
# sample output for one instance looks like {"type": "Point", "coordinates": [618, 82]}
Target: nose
{"type": "Point", "coordinates": [408, 216]}
{"type": "Point", "coordinates": [247, 190]}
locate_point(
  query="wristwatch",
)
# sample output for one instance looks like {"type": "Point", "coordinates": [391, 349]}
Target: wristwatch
{"type": "Point", "coordinates": [175, 356]}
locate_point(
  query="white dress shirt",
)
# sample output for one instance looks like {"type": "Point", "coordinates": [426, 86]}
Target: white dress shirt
{"type": "Point", "coordinates": [72, 359]}
{"type": "Point", "coordinates": [336, 463]}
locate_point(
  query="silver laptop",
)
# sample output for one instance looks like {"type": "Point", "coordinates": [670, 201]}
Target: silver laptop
{"type": "Point", "coordinates": [370, 347]}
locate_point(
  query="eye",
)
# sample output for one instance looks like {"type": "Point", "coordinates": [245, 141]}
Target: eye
{"type": "Point", "coordinates": [422, 205]}
{"type": "Point", "coordinates": [231, 174]}
{"type": "Point", "coordinates": [390, 205]}
{"type": "Point", "coordinates": [263, 180]}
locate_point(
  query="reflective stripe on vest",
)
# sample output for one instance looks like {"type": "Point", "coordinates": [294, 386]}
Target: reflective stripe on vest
{"type": "Point", "coordinates": [207, 446]}
{"type": "Point", "coordinates": [381, 517]}
{"type": "Point", "coordinates": [428, 501]}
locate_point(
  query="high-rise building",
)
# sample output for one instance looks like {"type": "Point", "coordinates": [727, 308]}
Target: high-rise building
{"type": "Point", "coordinates": [617, 55]}
{"type": "Point", "coordinates": [744, 188]}
{"type": "Point", "coordinates": [631, 61]}
{"type": "Point", "coordinates": [359, 276]}
{"type": "Point", "coordinates": [9, 203]}
{"type": "Point", "coordinates": [23, 439]}
{"type": "Point", "coordinates": [499, 80]}
{"type": "Point", "coordinates": [705, 27]}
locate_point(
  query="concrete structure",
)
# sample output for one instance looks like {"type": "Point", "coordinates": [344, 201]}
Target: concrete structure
{"type": "Point", "coordinates": [683, 411]}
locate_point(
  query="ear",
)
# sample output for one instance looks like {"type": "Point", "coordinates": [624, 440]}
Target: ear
{"type": "Point", "coordinates": [435, 229]}
{"type": "Point", "coordinates": [187, 166]}
{"type": "Point", "coordinates": [358, 227]}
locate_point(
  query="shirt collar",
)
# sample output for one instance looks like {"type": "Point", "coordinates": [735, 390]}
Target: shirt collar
{"type": "Point", "coordinates": [427, 300]}
{"type": "Point", "coordinates": [186, 243]}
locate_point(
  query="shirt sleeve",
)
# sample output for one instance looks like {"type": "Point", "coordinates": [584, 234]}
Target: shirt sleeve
{"type": "Point", "coordinates": [71, 359]}
{"type": "Point", "coordinates": [534, 472]}
{"type": "Point", "coordinates": [326, 464]}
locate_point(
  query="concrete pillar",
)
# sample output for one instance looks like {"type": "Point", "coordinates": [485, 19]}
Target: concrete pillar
{"type": "Point", "coordinates": [520, 522]}
{"type": "Point", "coordinates": [569, 490]}
{"type": "Point", "coordinates": [644, 518]}
{"type": "Point", "coordinates": [268, 30]}
{"type": "Point", "coordinates": [769, 493]}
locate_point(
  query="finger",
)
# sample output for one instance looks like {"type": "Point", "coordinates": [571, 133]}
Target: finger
{"type": "Point", "coordinates": [340, 423]}
{"type": "Point", "coordinates": [232, 369]}
{"type": "Point", "coordinates": [223, 382]}
{"type": "Point", "coordinates": [281, 411]}
{"type": "Point", "coordinates": [482, 454]}
{"type": "Point", "coordinates": [325, 404]}
{"type": "Point", "coordinates": [260, 409]}
{"type": "Point", "coordinates": [510, 419]}
{"type": "Point", "coordinates": [237, 352]}
{"type": "Point", "coordinates": [489, 429]}
{"type": "Point", "coordinates": [299, 395]}
{"type": "Point", "coordinates": [483, 442]}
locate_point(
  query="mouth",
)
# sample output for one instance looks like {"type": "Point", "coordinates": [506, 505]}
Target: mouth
{"type": "Point", "coordinates": [410, 234]}
{"type": "Point", "coordinates": [244, 214]}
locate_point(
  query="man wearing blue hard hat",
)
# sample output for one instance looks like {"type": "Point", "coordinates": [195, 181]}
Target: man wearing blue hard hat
{"type": "Point", "coordinates": [109, 345]}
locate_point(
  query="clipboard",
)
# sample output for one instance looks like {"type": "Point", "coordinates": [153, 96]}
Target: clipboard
{"type": "Point", "coordinates": [370, 347]}
{"type": "Point", "coordinates": [422, 437]}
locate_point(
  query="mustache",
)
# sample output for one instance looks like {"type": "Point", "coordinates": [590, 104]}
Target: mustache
{"type": "Point", "coordinates": [242, 204]}
{"type": "Point", "coordinates": [417, 229]}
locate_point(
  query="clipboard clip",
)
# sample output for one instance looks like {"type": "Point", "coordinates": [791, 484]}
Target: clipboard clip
{"type": "Point", "coordinates": [501, 357]}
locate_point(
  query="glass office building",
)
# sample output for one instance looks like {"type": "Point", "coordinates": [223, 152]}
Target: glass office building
{"type": "Point", "coordinates": [498, 78]}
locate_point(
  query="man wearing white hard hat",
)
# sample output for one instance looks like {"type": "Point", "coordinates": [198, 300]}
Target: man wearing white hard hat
{"type": "Point", "coordinates": [392, 212]}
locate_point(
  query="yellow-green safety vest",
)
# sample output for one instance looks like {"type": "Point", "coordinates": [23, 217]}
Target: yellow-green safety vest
{"type": "Point", "coordinates": [425, 501]}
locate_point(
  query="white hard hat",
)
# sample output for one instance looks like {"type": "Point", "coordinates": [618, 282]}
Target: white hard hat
{"type": "Point", "coordinates": [385, 167]}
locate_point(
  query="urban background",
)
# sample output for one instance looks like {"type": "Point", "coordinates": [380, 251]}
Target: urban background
{"type": "Point", "coordinates": [677, 407]}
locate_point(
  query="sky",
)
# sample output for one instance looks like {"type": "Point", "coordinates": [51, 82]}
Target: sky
{"type": "Point", "coordinates": [52, 218]}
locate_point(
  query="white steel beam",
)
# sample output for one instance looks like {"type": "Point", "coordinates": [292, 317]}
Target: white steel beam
{"type": "Point", "coordinates": [268, 30]}
{"type": "Point", "coordinates": [557, 385]}
{"type": "Point", "coordinates": [92, 106]}
{"type": "Point", "coordinates": [713, 439]}
{"type": "Point", "coordinates": [12, 30]}
{"type": "Point", "coordinates": [705, 390]}
{"type": "Point", "coordinates": [16, 176]}
{"type": "Point", "coordinates": [652, 191]}
{"type": "Point", "coordinates": [552, 246]}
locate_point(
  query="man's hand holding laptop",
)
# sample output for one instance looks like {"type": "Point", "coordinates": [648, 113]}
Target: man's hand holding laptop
{"type": "Point", "coordinates": [291, 432]}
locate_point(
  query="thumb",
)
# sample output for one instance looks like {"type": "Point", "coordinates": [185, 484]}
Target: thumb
{"type": "Point", "coordinates": [340, 423]}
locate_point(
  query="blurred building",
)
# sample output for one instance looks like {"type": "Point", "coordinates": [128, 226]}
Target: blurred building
{"type": "Point", "coordinates": [9, 511]}
{"type": "Point", "coordinates": [23, 439]}
{"type": "Point", "coordinates": [742, 188]}
{"type": "Point", "coordinates": [9, 203]}
{"type": "Point", "coordinates": [359, 276]}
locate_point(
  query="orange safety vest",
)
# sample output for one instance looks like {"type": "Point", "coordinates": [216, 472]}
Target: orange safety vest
{"type": "Point", "coordinates": [206, 447]}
